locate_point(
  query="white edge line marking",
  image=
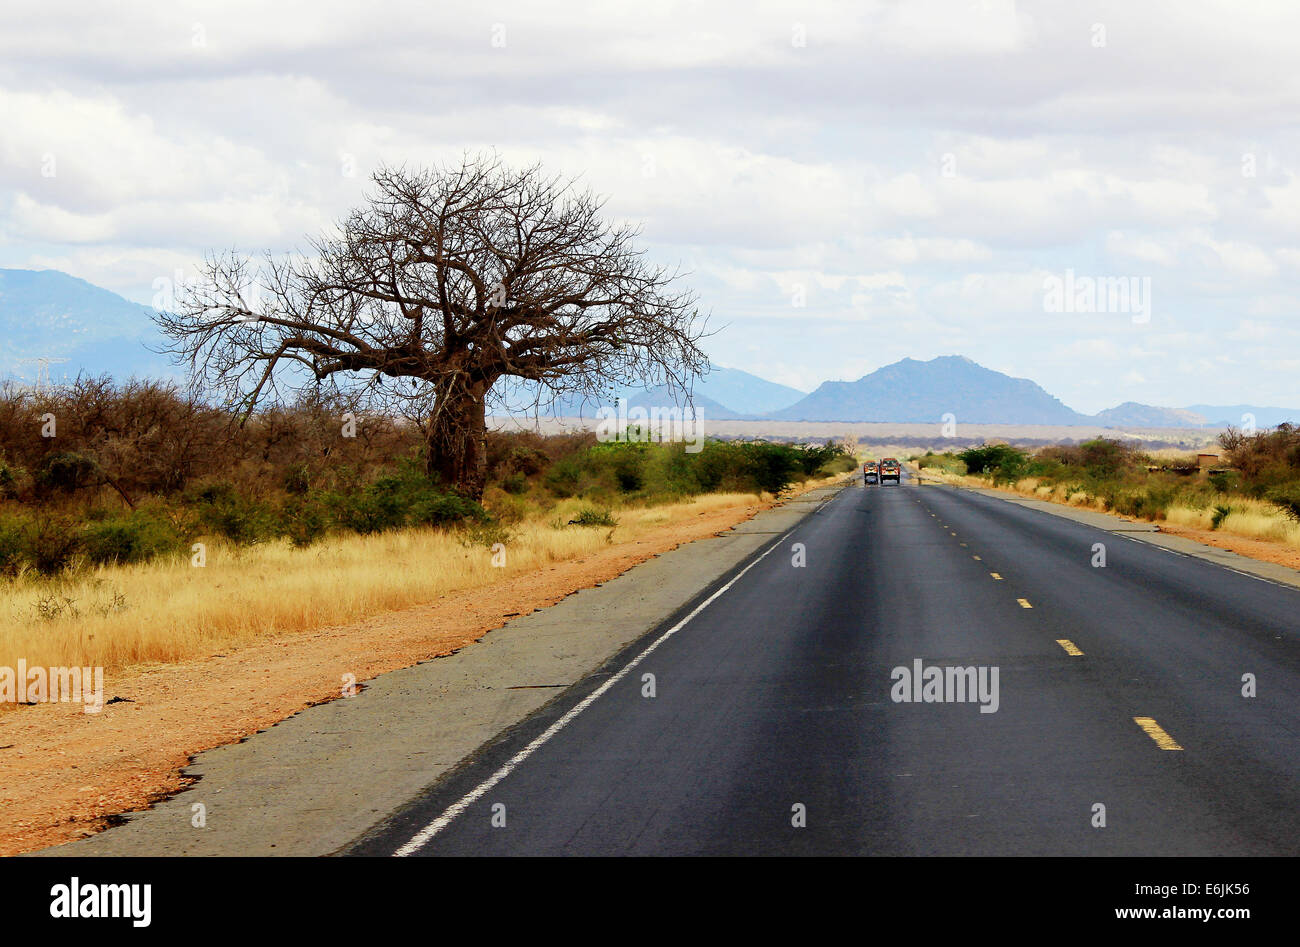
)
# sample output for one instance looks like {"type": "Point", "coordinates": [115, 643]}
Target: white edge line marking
{"type": "Point", "coordinates": [422, 837]}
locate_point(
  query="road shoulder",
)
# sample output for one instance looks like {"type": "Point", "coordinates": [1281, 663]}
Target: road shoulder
{"type": "Point", "coordinates": [321, 778]}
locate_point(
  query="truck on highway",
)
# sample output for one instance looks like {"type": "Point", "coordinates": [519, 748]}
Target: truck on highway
{"type": "Point", "coordinates": [891, 469]}
{"type": "Point", "coordinates": [871, 472]}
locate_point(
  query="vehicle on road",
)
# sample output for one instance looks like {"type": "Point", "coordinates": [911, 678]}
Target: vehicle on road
{"type": "Point", "coordinates": [891, 469]}
{"type": "Point", "coordinates": [871, 472]}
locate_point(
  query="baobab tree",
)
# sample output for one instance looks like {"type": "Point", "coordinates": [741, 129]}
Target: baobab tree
{"type": "Point", "coordinates": [444, 282]}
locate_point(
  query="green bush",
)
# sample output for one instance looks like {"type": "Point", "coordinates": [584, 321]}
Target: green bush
{"type": "Point", "coordinates": [651, 471]}
{"type": "Point", "coordinates": [11, 546]}
{"type": "Point", "coordinates": [304, 522]}
{"type": "Point", "coordinates": [825, 459]}
{"type": "Point", "coordinates": [50, 545]}
{"type": "Point", "coordinates": [1150, 503]}
{"type": "Point", "coordinates": [1224, 481]}
{"type": "Point", "coordinates": [404, 500]}
{"type": "Point", "coordinates": [1106, 458]}
{"type": "Point", "coordinates": [1287, 497]}
{"type": "Point", "coordinates": [380, 506]}
{"type": "Point", "coordinates": [239, 519]}
{"type": "Point", "coordinates": [590, 516]}
{"type": "Point", "coordinates": [10, 477]}
{"type": "Point", "coordinates": [948, 462]}
{"type": "Point", "coordinates": [514, 483]}
{"type": "Point", "coordinates": [133, 538]}
{"type": "Point", "coordinates": [1001, 461]}
{"type": "Point", "coordinates": [566, 476]}
{"type": "Point", "coordinates": [447, 509]}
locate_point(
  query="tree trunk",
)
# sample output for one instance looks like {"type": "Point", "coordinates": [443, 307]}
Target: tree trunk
{"type": "Point", "coordinates": [456, 452]}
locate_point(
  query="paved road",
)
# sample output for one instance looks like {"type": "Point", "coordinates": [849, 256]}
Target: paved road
{"type": "Point", "coordinates": [777, 695]}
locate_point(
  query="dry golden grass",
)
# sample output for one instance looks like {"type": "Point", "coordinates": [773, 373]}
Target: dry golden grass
{"type": "Point", "coordinates": [1253, 519]}
{"type": "Point", "coordinates": [169, 610]}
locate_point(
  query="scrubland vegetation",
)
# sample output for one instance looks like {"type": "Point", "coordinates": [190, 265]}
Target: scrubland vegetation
{"type": "Point", "coordinates": [300, 525]}
{"type": "Point", "coordinates": [141, 471]}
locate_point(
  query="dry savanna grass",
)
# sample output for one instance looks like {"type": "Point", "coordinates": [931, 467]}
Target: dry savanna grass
{"type": "Point", "coordinates": [169, 610]}
{"type": "Point", "coordinates": [1253, 519]}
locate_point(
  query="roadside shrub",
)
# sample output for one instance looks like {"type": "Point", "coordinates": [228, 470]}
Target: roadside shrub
{"type": "Point", "coordinates": [11, 546]}
{"type": "Point", "coordinates": [1001, 461]}
{"type": "Point", "coordinates": [10, 480]}
{"type": "Point", "coordinates": [1287, 498]}
{"type": "Point", "coordinates": [773, 467]}
{"type": "Point", "coordinates": [447, 509]}
{"type": "Point", "coordinates": [50, 545]}
{"type": "Point", "coordinates": [484, 533]}
{"type": "Point", "coordinates": [304, 522]}
{"type": "Point", "coordinates": [237, 518]}
{"type": "Point", "coordinates": [1224, 481]}
{"type": "Point", "coordinates": [948, 462]}
{"type": "Point", "coordinates": [590, 516]}
{"type": "Point", "coordinates": [824, 459]}
{"type": "Point", "coordinates": [566, 477]}
{"type": "Point", "coordinates": [627, 462]}
{"type": "Point", "coordinates": [1151, 503]}
{"type": "Point", "coordinates": [1105, 457]}
{"type": "Point", "coordinates": [1268, 457]}
{"type": "Point", "coordinates": [380, 506]}
{"type": "Point", "coordinates": [132, 538]}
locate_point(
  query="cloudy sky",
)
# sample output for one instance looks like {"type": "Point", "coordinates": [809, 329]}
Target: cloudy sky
{"type": "Point", "coordinates": [846, 183]}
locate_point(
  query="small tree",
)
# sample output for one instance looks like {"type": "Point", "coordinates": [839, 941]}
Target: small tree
{"type": "Point", "coordinates": [445, 282]}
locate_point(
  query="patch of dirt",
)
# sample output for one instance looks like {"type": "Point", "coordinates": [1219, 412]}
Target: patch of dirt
{"type": "Point", "coordinates": [1262, 549]}
{"type": "Point", "coordinates": [65, 774]}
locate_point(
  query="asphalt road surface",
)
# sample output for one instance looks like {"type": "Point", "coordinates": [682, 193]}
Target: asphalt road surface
{"type": "Point", "coordinates": [773, 727]}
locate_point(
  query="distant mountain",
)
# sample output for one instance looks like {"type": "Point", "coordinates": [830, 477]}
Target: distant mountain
{"type": "Point", "coordinates": [1132, 414]}
{"type": "Point", "coordinates": [917, 392]}
{"type": "Point", "coordinates": [1234, 414]}
{"type": "Point", "coordinates": [665, 397]}
{"type": "Point", "coordinates": [45, 313]}
{"type": "Point", "coordinates": [744, 393]}
{"type": "Point", "coordinates": [722, 394]}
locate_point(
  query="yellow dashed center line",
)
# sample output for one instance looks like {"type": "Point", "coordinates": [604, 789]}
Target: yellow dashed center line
{"type": "Point", "coordinates": [1155, 732]}
{"type": "Point", "coordinates": [1024, 603]}
{"type": "Point", "coordinates": [1070, 647]}
{"type": "Point", "coordinates": [996, 576]}
{"type": "Point", "coordinates": [977, 558]}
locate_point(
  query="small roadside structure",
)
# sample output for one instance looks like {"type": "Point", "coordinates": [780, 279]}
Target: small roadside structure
{"type": "Point", "coordinates": [1209, 462]}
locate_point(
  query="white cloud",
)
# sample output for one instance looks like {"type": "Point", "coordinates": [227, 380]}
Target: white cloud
{"type": "Point", "coordinates": [755, 160]}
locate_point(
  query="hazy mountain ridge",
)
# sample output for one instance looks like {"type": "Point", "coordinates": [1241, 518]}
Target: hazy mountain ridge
{"type": "Point", "coordinates": [1133, 414]}
{"type": "Point", "coordinates": [49, 313]}
{"type": "Point", "coordinates": [912, 391]}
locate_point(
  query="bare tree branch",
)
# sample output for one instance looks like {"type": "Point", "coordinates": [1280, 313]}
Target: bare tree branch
{"type": "Point", "coordinates": [446, 281]}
